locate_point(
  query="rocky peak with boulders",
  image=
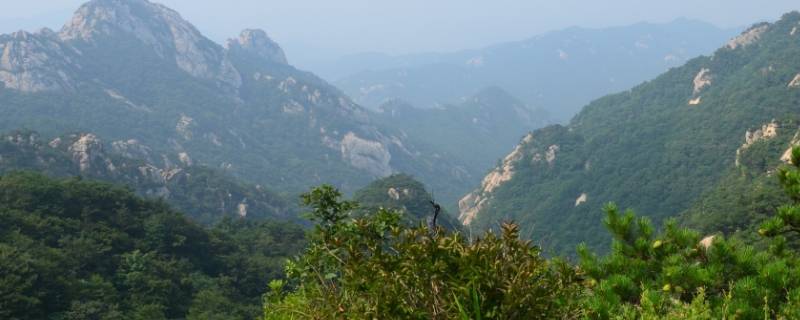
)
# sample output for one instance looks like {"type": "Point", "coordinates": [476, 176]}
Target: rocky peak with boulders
{"type": "Point", "coordinates": [257, 43]}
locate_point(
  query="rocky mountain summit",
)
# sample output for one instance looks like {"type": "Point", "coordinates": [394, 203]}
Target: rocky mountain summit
{"type": "Point", "coordinates": [136, 70]}
{"type": "Point", "coordinates": [256, 42]}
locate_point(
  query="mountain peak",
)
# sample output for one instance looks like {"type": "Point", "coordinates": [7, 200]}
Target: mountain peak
{"type": "Point", "coordinates": [157, 27]}
{"type": "Point", "coordinates": [140, 18]}
{"type": "Point", "coordinates": [258, 43]}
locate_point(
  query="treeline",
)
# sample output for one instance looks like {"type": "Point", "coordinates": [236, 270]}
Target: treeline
{"type": "Point", "coordinates": [373, 267]}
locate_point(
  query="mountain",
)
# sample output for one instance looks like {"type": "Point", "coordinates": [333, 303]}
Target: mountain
{"type": "Point", "coordinates": [479, 130]}
{"type": "Point", "coordinates": [402, 192]}
{"type": "Point", "coordinates": [656, 148]}
{"type": "Point", "coordinates": [559, 71]}
{"type": "Point", "coordinates": [133, 69]}
{"type": "Point", "coordinates": [749, 192]}
{"type": "Point", "coordinates": [77, 249]}
{"type": "Point", "coordinates": [205, 194]}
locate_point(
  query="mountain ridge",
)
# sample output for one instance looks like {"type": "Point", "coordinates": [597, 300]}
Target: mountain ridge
{"type": "Point", "coordinates": [557, 71]}
{"type": "Point", "coordinates": [133, 69]}
{"type": "Point", "coordinates": [655, 148]}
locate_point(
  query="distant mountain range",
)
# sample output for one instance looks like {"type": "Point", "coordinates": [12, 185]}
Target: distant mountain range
{"type": "Point", "coordinates": [558, 71]}
{"type": "Point", "coordinates": [696, 141]}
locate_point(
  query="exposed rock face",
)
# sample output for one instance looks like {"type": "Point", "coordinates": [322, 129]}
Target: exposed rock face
{"type": "Point", "coordinates": [184, 127]}
{"type": "Point", "coordinates": [21, 139]}
{"type": "Point", "coordinates": [795, 83]}
{"type": "Point", "coordinates": [35, 62]}
{"type": "Point", "coordinates": [158, 27]}
{"type": "Point", "coordinates": [695, 101]}
{"type": "Point", "coordinates": [132, 149]}
{"type": "Point", "coordinates": [748, 37]}
{"type": "Point", "coordinates": [55, 143]}
{"type": "Point", "coordinates": [581, 199]}
{"type": "Point", "coordinates": [707, 241]}
{"type": "Point", "coordinates": [702, 80]}
{"type": "Point", "coordinates": [550, 155]}
{"type": "Point", "coordinates": [119, 97]}
{"type": "Point", "coordinates": [85, 150]}
{"type": "Point", "coordinates": [257, 43]}
{"type": "Point", "coordinates": [396, 194]}
{"type": "Point", "coordinates": [368, 155]}
{"type": "Point", "coordinates": [185, 159]}
{"type": "Point", "coordinates": [787, 155]}
{"type": "Point", "coordinates": [473, 203]}
{"type": "Point", "coordinates": [766, 132]}
{"type": "Point", "coordinates": [241, 209]}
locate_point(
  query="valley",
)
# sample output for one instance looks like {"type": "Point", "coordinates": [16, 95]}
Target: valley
{"type": "Point", "coordinates": [641, 171]}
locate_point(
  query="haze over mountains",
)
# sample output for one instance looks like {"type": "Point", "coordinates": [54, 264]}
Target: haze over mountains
{"type": "Point", "coordinates": [148, 172]}
{"type": "Point", "coordinates": [557, 71]}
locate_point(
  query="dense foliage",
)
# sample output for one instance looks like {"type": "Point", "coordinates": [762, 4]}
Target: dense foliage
{"type": "Point", "coordinates": [648, 148]}
{"type": "Point", "coordinates": [374, 267]}
{"type": "Point", "coordinates": [74, 249]}
{"type": "Point", "coordinates": [748, 193]}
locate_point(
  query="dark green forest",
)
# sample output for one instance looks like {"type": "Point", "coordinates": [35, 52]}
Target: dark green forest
{"type": "Point", "coordinates": [78, 249]}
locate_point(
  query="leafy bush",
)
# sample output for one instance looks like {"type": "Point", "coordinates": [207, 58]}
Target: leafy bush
{"type": "Point", "coordinates": [375, 268]}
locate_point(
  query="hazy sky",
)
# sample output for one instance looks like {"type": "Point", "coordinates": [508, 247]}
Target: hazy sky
{"type": "Point", "coordinates": [313, 29]}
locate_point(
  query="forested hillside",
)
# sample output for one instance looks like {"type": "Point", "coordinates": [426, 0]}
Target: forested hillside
{"type": "Point", "coordinates": [656, 148]}
{"type": "Point", "coordinates": [205, 194]}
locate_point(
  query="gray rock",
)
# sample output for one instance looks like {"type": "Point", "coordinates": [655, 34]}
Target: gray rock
{"type": "Point", "coordinates": [257, 43]}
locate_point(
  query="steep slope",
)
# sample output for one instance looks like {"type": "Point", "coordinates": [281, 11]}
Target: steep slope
{"type": "Point", "coordinates": [479, 130]}
{"type": "Point", "coordinates": [132, 69]}
{"type": "Point", "coordinates": [655, 148]}
{"type": "Point", "coordinates": [749, 192]}
{"type": "Point", "coordinates": [560, 71]}
{"type": "Point", "coordinates": [402, 192]}
{"type": "Point", "coordinates": [207, 195]}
